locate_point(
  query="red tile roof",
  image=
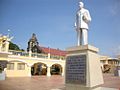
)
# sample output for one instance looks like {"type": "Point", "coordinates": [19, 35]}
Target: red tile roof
{"type": "Point", "coordinates": [53, 51]}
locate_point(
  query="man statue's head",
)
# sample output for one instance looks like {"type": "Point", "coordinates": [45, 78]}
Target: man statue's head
{"type": "Point", "coordinates": [81, 5]}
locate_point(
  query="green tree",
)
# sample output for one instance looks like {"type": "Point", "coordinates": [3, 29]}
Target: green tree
{"type": "Point", "coordinates": [13, 46]}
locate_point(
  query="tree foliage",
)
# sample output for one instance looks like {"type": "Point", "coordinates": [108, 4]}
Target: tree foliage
{"type": "Point", "coordinates": [13, 46]}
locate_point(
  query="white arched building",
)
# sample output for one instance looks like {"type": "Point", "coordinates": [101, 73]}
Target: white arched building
{"type": "Point", "coordinates": [51, 62]}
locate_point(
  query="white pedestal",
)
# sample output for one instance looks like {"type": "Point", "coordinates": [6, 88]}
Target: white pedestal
{"type": "Point", "coordinates": [91, 70]}
{"type": "Point", "coordinates": [2, 75]}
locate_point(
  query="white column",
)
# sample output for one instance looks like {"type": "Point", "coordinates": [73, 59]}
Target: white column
{"type": "Point", "coordinates": [48, 55]}
{"type": "Point", "coordinates": [29, 71]}
{"type": "Point", "coordinates": [48, 71]}
{"type": "Point", "coordinates": [63, 71]}
{"type": "Point", "coordinates": [6, 46]}
{"type": "Point", "coordinates": [30, 52]}
{"type": "Point", "coordinates": [106, 61]}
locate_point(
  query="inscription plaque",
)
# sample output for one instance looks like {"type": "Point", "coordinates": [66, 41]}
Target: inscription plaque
{"type": "Point", "coordinates": [76, 69]}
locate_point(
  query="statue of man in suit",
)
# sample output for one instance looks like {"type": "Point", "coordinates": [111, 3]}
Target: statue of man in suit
{"type": "Point", "coordinates": [82, 20]}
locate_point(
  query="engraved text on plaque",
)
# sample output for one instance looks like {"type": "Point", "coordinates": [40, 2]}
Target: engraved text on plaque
{"type": "Point", "coordinates": [76, 69]}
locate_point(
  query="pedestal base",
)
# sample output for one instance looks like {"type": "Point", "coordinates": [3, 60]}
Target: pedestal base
{"type": "Point", "coordinates": [83, 67]}
{"type": "Point", "coordinates": [2, 75]}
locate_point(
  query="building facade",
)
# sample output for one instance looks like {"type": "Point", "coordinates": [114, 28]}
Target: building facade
{"type": "Point", "coordinates": [40, 60]}
{"type": "Point", "coordinates": [108, 64]}
{"type": "Point", "coordinates": [37, 61]}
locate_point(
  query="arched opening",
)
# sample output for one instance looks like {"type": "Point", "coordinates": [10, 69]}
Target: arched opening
{"type": "Point", "coordinates": [3, 65]}
{"type": "Point", "coordinates": [39, 69]}
{"type": "Point", "coordinates": [56, 69]}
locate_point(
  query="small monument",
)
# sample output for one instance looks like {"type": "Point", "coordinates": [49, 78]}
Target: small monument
{"type": "Point", "coordinates": [83, 71]}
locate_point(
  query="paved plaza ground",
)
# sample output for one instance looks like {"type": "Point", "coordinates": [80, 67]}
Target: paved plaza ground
{"type": "Point", "coordinates": [49, 83]}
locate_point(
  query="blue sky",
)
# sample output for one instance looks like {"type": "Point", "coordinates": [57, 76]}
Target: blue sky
{"type": "Point", "coordinates": [53, 23]}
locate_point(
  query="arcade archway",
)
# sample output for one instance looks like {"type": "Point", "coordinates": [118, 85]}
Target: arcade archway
{"type": "Point", "coordinates": [39, 69]}
{"type": "Point", "coordinates": [3, 64]}
{"type": "Point", "coordinates": [56, 69]}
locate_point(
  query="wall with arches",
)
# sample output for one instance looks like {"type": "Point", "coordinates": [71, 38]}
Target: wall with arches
{"type": "Point", "coordinates": [27, 64]}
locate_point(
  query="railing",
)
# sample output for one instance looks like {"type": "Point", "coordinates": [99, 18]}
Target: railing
{"type": "Point", "coordinates": [19, 53]}
{"type": "Point", "coordinates": [57, 57]}
{"type": "Point", "coordinates": [36, 55]}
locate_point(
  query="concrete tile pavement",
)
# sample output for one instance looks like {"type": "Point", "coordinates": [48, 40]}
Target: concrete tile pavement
{"type": "Point", "coordinates": [49, 83]}
{"type": "Point", "coordinates": [111, 81]}
{"type": "Point", "coordinates": [34, 83]}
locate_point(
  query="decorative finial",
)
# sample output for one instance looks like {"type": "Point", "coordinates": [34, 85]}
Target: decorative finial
{"type": "Point", "coordinates": [8, 33]}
